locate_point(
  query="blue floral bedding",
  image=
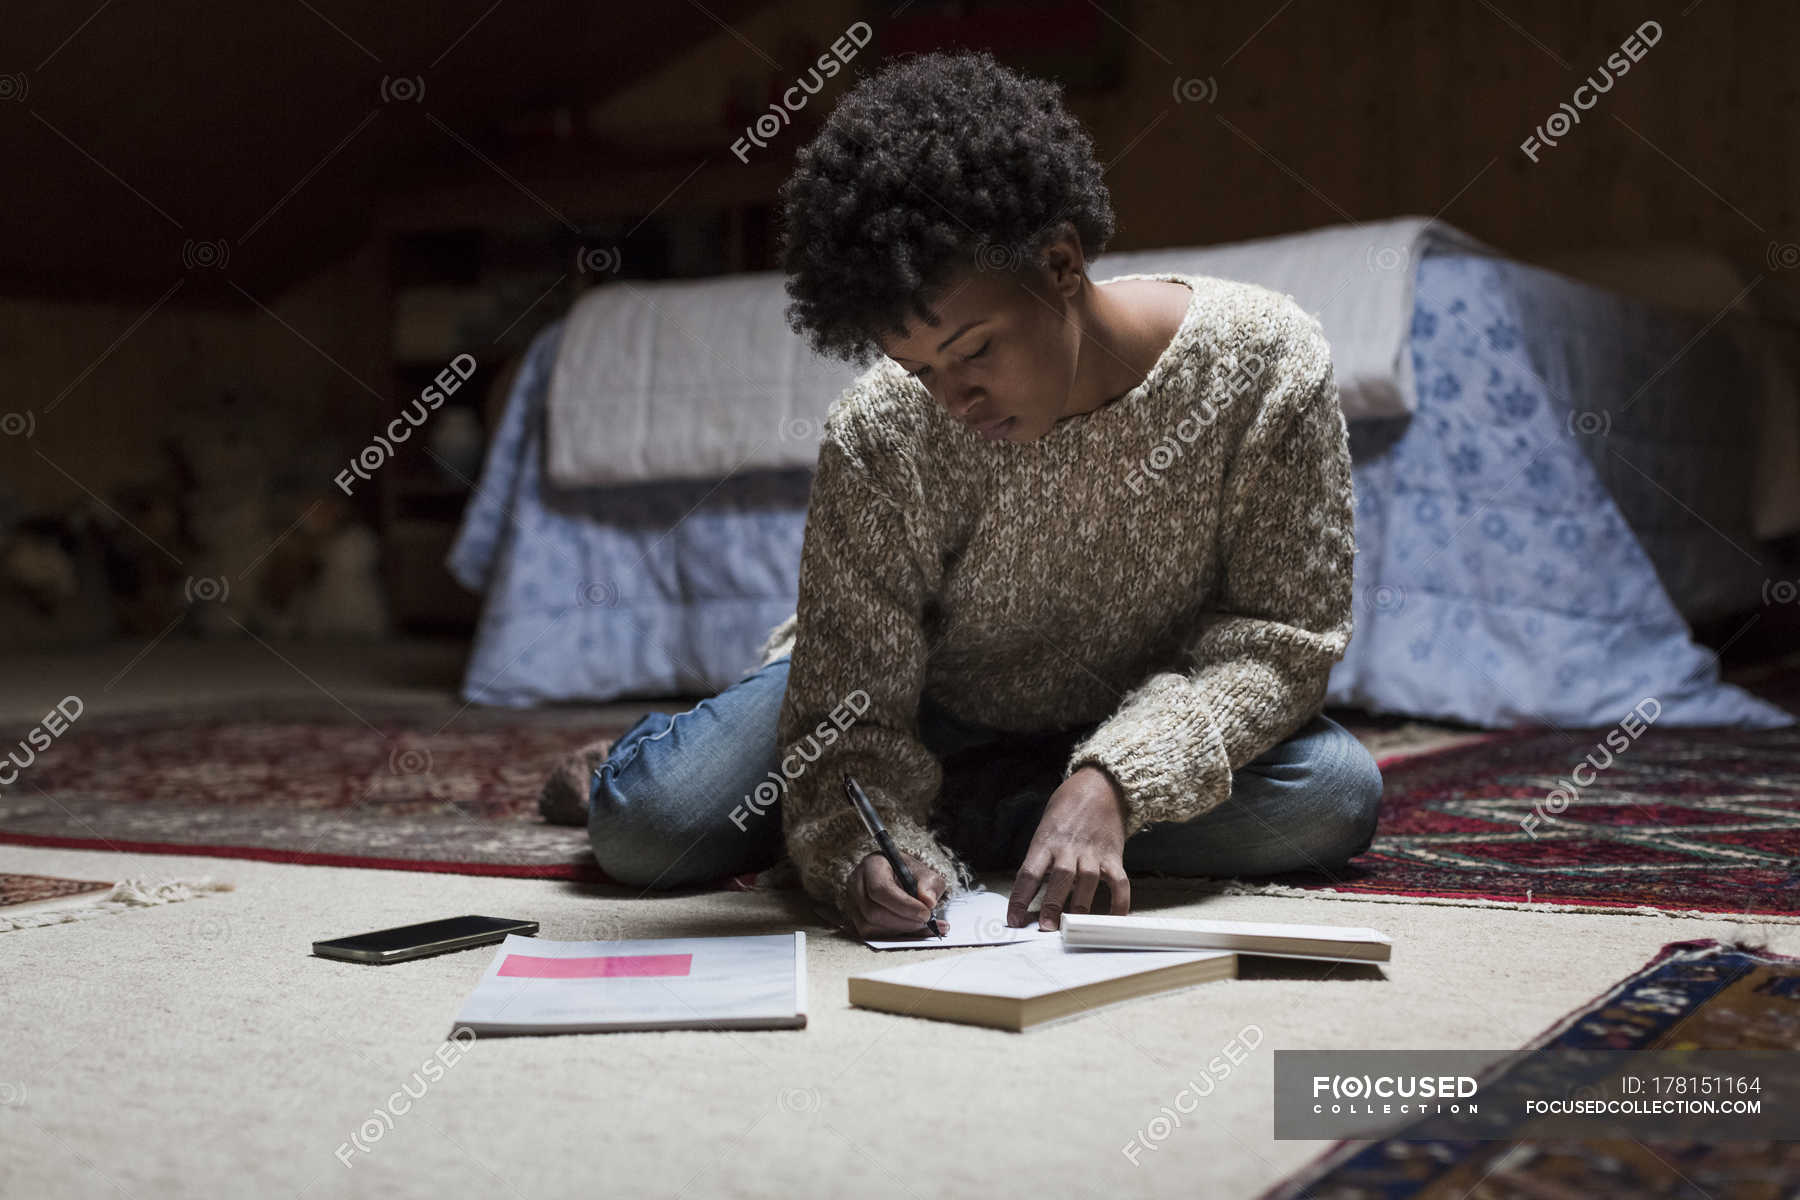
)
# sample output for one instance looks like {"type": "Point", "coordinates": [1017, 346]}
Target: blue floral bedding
{"type": "Point", "coordinates": [1498, 580]}
{"type": "Point", "coordinates": [657, 590]}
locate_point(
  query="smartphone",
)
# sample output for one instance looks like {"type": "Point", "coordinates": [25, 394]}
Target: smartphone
{"type": "Point", "coordinates": [428, 937]}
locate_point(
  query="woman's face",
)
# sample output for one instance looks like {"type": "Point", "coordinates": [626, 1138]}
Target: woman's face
{"type": "Point", "coordinates": [1001, 357]}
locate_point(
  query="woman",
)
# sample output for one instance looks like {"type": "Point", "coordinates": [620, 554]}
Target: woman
{"type": "Point", "coordinates": [1091, 541]}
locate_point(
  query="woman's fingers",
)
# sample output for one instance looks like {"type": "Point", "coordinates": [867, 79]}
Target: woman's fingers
{"type": "Point", "coordinates": [885, 891]}
{"type": "Point", "coordinates": [862, 910]}
{"type": "Point", "coordinates": [1087, 882]}
{"type": "Point", "coordinates": [1120, 888]}
{"type": "Point", "coordinates": [878, 904]}
{"type": "Point", "coordinates": [1057, 882]}
{"type": "Point", "coordinates": [1025, 886]}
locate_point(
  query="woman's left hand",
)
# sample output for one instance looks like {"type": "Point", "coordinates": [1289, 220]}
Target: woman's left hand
{"type": "Point", "coordinates": [1079, 845]}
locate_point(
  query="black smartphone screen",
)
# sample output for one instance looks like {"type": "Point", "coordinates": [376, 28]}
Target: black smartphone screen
{"type": "Point", "coordinates": [384, 941]}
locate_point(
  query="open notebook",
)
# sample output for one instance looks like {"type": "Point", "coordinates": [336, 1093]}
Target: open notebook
{"type": "Point", "coordinates": [539, 986]}
{"type": "Point", "coordinates": [1022, 986]}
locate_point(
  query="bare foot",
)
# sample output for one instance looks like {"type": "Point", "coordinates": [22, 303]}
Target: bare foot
{"type": "Point", "coordinates": [564, 798]}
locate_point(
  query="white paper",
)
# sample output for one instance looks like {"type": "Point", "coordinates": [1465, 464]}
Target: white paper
{"type": "Point", "coordinates": [975, 919]}
{"type": "Point", "coordinates": [660, 983]}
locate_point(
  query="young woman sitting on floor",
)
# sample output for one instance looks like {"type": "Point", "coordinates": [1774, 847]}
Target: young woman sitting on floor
{"type": "Point", "coordinates": [1102, 527]}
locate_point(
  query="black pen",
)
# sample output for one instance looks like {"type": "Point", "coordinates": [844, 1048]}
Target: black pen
{"type": "Point", "coordinates": [872, 821]}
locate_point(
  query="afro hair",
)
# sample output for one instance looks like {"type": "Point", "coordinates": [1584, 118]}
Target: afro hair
{"type": "Point", "coordinates": [938, 163]}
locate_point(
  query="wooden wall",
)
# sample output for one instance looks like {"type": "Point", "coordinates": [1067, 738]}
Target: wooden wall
{"type": "Point", "coordinates": [104, 385]}
{"type": "Point", "coordinates": [1333, 110]}
{"type": "Point", "coordinates": [1326, 110]}
{"type": "Point", "coordinates": [1420, 106]}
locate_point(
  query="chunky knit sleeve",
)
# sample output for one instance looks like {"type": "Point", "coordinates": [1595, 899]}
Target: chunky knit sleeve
{"type": "Point", "coordinates": [1256, 662]}
{"type": "Point", "coordinates": [854, 681]}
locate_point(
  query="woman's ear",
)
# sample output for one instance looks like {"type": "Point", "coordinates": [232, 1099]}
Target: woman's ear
{"type": "Point", "coordinates": [1063, 260]}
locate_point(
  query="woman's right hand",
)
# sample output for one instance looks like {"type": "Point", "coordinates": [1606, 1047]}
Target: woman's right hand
{"type": "Point", "coordinates": [878, 905]}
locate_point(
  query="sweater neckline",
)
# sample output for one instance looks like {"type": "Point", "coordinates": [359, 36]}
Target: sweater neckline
{"type": "Point", "coordinates": [1166, 364]}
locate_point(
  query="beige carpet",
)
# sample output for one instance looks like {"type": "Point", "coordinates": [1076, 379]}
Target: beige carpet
{"type": "Point", "coordinates": [197, 1049]}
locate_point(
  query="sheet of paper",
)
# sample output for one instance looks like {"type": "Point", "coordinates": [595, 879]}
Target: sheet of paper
{"type": "Point", "coordinates": [975, 919]}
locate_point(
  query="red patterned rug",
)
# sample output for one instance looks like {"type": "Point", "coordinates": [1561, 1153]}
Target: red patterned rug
{"type": "Point", "coordinates": [422, 788]}
{"type": "Point", "coordinates": [31, 889]}
{"type": "Point", "coordinates": [1704, 820]}
{"type": "Point", "coordinates": [1695, 820]}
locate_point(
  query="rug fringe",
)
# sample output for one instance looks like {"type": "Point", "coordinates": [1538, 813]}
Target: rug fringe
{"type": "Point", "coordinates": [127, 893]}
{"type": "Point", "coordinates": [1641, 910]}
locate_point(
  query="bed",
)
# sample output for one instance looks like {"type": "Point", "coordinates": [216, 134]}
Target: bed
{"type": "Point", "coordinates": [1539, 521]}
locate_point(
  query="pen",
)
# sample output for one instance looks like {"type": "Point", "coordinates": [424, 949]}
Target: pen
{"type": "Point", "coordinates": [879, 832]}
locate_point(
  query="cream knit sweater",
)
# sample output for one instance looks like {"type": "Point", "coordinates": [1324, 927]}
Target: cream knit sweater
{"type": "Point", "coordinates": [1174, 566]}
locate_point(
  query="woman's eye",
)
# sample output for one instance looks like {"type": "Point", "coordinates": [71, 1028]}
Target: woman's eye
{"type": "Point", "coordinates": [923, 371]}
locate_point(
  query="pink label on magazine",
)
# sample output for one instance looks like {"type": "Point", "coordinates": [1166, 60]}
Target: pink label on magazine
{"type": "Point", "coordinates": [615, 966]}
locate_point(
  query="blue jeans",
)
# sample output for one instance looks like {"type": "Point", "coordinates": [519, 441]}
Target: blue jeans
{"type": "Point", "coordinates": [676, 801]}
